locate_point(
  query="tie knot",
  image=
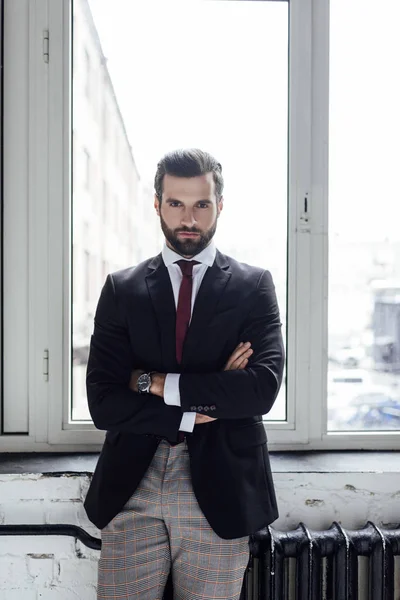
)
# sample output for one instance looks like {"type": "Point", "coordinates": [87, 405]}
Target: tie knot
{"type": "Point", "coordinates": [187, 266]}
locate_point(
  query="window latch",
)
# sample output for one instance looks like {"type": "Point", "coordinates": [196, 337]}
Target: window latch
{"type": "Point", "coordinates": [46, 365]}
{"type": "Point", "coordinates": [305, 214]}
{"type": "Point", "coordinates": [46, 45]}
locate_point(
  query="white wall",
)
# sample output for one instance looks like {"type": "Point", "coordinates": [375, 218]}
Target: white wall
{"type": "Point", "coordinates": [58, 568]}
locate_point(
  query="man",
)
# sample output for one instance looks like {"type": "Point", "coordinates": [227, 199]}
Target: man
{"type": "Point", "coordinates": [185, 358]}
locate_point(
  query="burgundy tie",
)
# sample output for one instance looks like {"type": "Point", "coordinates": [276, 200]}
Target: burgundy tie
{"type": "Point", "coordinates": [183, 311]}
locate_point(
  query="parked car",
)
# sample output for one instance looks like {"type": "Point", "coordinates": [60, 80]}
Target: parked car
{"type": "Point", "coordinates": [372, 408]}
{"type": "Point", "coordinates": [375, 410]}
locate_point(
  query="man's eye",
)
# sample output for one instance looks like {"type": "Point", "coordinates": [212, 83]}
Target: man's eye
{"type": "Point", "coordinates": [174, 204]}
{"type": "Point", "coordinates": [203, 205]}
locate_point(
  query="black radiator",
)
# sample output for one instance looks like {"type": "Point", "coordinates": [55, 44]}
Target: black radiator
{"type": "Point", "coordinates": [323, 565]}
{"type": "Point", "coordinates": [297, 565]}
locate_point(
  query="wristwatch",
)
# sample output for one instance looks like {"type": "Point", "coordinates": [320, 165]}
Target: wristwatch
{"type": "Point", "coordinates": [144, 383]}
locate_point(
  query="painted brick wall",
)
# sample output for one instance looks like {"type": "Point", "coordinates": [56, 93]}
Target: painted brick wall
{"type": "Point", "coordinates": [58, 568]}
{"type": "Point", "coordinates": [48, 567]}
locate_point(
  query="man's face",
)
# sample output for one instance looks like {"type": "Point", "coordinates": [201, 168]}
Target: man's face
{"type": "Point", "coordinates": [188, 213]}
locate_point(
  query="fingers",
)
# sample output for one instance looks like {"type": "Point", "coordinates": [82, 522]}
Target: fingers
{"type": "Point", "coordinates": [241, 353]}
{"type": "Point", "coordinates": [203, 419]}
{"type": "Point", "coordinates": [243, 364]}
{"type": "Point", "coordinates": [244, 358]}
{"type": "Point", "coordinates": [240, 348]}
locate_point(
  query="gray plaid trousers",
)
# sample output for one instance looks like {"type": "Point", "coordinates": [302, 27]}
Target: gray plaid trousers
{"type": "Point", "coordinates": [162, 525]}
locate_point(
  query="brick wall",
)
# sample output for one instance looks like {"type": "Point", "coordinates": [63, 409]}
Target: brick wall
{"type": "Point", "coordinates": [45, 567]}
{"type": "Point", "coordinates": [59, 568]}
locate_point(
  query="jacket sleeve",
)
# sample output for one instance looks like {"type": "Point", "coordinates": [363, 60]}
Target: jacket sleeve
{"type": "Point", "coordinates": [112, 404]}
{"type": "Point", "coordinates": [253, 390]}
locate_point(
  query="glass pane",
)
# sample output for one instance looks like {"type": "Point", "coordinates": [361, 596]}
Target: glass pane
{"type": "Point", "coordinates": [193, 77]}
{"type": "Point", "coordinates": [364, 247]}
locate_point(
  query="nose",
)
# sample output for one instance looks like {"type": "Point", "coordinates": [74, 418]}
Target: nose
{"type": "Point", "coordinates": [188, 218]}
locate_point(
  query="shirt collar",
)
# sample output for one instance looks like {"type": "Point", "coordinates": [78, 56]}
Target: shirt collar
{"type": "Point", "coordinates": [206, 256]}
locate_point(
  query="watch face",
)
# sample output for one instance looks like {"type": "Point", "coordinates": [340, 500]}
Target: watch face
{"type": "Point", "coordinates": [144, 382]}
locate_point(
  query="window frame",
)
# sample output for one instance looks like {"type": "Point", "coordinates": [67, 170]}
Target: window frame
{"type": "Point", "coordinates": [50, 246]}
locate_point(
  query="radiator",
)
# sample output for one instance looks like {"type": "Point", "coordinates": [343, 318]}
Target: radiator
{"type": "Point", "coordinates": [336, 564]}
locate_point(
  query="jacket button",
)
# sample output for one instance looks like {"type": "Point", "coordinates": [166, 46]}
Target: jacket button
{"type": "Point", "coordinates": [213, 407]}
{"type": "Point", "coordinates": [206, 408]}
{"type": "Point", "coordinates": [193, 408]}
{"type": "Point", "coordinates": [200, 408]}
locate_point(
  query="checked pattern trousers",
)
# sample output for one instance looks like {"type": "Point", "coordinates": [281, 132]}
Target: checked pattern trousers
{"type": "Point", "coordinates": [162, 525]}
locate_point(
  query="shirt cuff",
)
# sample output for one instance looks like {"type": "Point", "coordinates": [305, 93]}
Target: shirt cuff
{"type": "Point", "coordinates": [187, 422]}
{"type": "Point", "coordinates": [172, 394]}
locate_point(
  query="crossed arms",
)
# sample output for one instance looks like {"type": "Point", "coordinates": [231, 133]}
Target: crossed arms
{"type": "Point", "coordinates": [235, 392]}
{"type": "Point", "coordinates": [238, 360]}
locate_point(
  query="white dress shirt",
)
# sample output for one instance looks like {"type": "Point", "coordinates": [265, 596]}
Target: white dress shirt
{"type": "Point", "coordinates": [206, 259]}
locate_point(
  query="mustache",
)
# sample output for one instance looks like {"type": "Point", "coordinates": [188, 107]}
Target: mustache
{"type": "Point", "coordinates": [187, 230]}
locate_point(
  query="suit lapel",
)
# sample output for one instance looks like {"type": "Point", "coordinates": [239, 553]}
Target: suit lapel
{"type": "Point", "coordinates": [160, 290]}
{"type": "Point", "coordinates": [162, 296]}
{"type": "Point", "coordinates": [208, 296]}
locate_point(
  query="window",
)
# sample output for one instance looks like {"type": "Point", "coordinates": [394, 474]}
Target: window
{"type": "Point", "coordinates": [299, 89]}
{"type": "Point", "coordinates": [364, 240]}
{"type": "Point", "coordinates": [244, 108]}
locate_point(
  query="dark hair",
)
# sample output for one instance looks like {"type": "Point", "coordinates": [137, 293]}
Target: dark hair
{"type": "Point", "coordinates": [189, 162]}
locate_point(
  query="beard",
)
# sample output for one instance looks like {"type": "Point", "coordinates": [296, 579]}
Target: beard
{"type": "Point", "coordinates": [188, 247]}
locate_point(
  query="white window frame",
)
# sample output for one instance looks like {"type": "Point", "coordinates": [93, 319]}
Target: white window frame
{"type": "Point", "coordinates": [48, 269]}
{"type": "Point", "coordinates": [25, 181]}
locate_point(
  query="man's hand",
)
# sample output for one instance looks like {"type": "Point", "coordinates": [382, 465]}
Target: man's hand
{"type": "Point", "coordinates": [237, 360]}
{"type": "Point", "coordinates": [203, 419]}
{"type": "Point", "coordinates": [239, 357]}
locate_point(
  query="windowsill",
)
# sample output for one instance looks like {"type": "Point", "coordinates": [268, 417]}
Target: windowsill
{"type": "Point", "coordinates": [332, 461]}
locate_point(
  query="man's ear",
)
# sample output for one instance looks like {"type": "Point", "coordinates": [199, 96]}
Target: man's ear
{"type": "Point", "coordinates": [220, 205]}
{"type": "Point", "coordinates": [157, 204]}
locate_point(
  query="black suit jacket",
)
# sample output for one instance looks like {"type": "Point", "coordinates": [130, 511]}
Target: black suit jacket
{"type": "Point", "coordinates": [134, 327]}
